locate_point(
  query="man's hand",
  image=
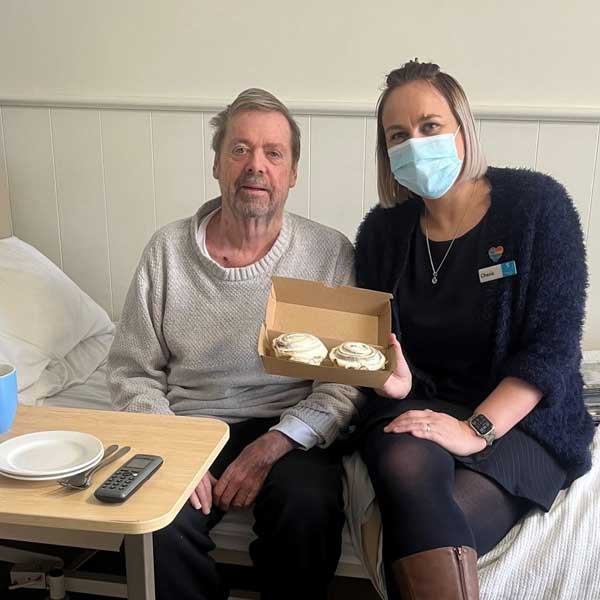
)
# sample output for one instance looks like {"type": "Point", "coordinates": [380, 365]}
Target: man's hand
{"type": "Point", "coordinates": [399, 383]}
{"type": "Point", "coordinates": [202, 496]}
{"type": "Point", "coordinates": [242, 480]}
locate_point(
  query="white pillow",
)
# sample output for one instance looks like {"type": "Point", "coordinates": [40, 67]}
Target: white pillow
{"type": "Point", "coordinates": [43, 315]}
{"type": "Point", "coordinates": [76, 368]}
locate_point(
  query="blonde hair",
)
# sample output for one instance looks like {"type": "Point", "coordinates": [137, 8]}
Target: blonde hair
{"type": "Point", "coordinates": [474, 164]}
{"type": "Point", "coordinates": [254, 99]}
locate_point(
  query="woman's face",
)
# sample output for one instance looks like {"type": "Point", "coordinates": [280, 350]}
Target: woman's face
{"type": "Point", "coordinates": [417, 109]}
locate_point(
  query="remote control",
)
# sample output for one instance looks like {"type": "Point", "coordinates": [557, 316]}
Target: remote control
{"type": "Point", "coordinates": [129, 478]}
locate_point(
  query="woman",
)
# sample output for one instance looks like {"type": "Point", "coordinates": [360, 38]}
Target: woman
{"type": "Point", "coordinates": [483, 418]}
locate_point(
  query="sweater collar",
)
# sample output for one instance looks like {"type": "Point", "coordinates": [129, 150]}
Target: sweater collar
{"type": "Point", "coordinates": [260, 268]}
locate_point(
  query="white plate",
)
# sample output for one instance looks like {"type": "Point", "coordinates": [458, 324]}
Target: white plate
{"type": "Point", "coordinates": [47, 453]}
{"type": "Point", "coordinates": [52, 477]}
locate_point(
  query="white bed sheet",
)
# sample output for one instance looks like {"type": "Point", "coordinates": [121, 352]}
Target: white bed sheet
{"type": "Point", "coordinates": [92, 394]}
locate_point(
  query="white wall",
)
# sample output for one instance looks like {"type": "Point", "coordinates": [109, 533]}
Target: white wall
{"type": "Point", "coordinates": [514, 52]}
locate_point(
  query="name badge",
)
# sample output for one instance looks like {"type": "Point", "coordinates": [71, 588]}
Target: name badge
{"type": "Point", "coordinates": [507, 269]}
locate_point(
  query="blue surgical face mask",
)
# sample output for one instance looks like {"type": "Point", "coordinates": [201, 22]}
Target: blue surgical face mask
{"type": "Point", "coordinates": [427, 166]}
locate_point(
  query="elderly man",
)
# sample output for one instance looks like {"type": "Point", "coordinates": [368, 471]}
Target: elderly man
{"type": "Point", "coordinates": [186, 345]}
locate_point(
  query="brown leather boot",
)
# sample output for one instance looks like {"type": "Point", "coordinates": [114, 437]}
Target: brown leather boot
{"type": "Point", "coordinates": [440, 574]}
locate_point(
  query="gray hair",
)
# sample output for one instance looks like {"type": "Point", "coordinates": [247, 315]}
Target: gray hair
{"type": "Point", "coordinates": [254, 99]}
{"type": "Point", "coordinates": [474, 164]}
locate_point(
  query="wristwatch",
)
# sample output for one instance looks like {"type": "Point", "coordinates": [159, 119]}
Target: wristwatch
{"type": "Point", "coordinates": [483, 427]}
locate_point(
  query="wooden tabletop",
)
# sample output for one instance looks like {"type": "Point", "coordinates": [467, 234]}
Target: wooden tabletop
{"type": "Point", "coordinates": [188, 446]}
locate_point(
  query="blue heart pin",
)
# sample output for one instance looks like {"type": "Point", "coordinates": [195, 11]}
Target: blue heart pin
{"type": "Point", "coordinates": [495, 253]}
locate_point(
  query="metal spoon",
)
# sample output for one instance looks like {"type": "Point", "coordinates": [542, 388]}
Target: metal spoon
{"type": "Point", "coordinates": [82, 481]}
{"type": "Point", "coordinates": [107, 452]}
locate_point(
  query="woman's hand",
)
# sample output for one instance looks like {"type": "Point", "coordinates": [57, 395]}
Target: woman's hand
{"type": "Point", "coordinates": [455, 436]}
{"type": "Point", "coordinates": [398, 384]}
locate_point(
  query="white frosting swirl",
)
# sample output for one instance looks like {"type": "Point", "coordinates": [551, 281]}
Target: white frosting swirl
{"type": "Point", "coordinates": [356, 355]}
{"type": "Point", "coordinates": [300, 347]}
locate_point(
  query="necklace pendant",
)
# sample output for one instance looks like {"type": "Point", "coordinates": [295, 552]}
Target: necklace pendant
{"type": "Point", "coordinates": [434, 279]}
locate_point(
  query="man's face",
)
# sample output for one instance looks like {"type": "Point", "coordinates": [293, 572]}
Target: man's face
{"type": "Point", "coordinates": [254, 166]}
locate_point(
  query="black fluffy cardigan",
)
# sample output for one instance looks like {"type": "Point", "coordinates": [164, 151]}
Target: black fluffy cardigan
{"type": "Point", "coordinates": [536, 316]}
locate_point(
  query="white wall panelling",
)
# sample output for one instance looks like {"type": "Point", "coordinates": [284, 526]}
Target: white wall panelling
{"type": "Point", "coordinates": [211, 185]}
{"type": "Point", "coordinates": [370, 184]}
{"type": "Point", "coordinates": [29, 160]}
{"type": "Point", "coordinates": [129, 188]}
{"type": "Point", "coordinates": [115, 175]}
{"type": "Point", "coordinates": [5, 212]}
{"type": "Point", "coordinates": [178, 147]}
{"type": "Point", "coordinates": [568, 152]}
{"type": "Point", "coordinates": [592, 326]}
{"type": "Point", "coordinates": [337, 171]}
{"type": "Point", "coordinates": [79, 173]}
{"type": "Point", "coordinates": [510, 143]}
{"type": "Point", "coordinates": [299, 198]}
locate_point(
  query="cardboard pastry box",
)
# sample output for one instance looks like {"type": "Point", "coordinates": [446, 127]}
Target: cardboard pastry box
{"type": "Point", "coordinates": [335, 315]}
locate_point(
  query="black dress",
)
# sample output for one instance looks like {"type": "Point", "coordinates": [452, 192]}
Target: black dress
{"type": "Point", "coordinates": [442, 334]}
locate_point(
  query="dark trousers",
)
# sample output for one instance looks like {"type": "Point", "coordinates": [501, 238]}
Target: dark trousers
{"type": "Point", "coordinates": [298, 522]}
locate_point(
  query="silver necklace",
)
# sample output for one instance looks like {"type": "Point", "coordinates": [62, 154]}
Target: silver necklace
{"type": "Point", "coordinates": [434, 271]}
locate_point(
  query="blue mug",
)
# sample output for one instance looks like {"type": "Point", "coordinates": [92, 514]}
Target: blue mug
{"type": "Point", "coordinates": [8, 396]}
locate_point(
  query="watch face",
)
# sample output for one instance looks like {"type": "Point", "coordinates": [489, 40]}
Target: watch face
{"type": "Point", "coordinates": [481, 424]}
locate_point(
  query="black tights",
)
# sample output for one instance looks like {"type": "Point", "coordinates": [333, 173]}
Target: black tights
{"type": "Point", "coordinates": [428, 500]}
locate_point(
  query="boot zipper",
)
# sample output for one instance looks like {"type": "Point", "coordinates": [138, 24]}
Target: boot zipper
{"type": "Point", "coordinates": [461, 573]}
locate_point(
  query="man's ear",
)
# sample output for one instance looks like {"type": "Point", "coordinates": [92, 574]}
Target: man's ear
{"type": "Point", "coordinates": [215, 168]}
{"type": "Point", "coordinates": [294, 175]}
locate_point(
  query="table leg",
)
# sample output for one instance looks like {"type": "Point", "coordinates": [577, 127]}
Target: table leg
{"type": "Point", "coordinates": [139, 559]}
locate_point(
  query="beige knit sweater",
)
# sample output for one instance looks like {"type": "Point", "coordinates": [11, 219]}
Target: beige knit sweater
{"type": "Point", "coordinates": [186, 341]}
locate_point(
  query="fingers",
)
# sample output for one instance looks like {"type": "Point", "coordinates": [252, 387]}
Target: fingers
{"type": "Point", "coordinates": [227, 497]}
{"type": "Point", "coordinates": [408, 416]}
{"type": "Point", "coordinates": [204, 491]}
{"type": "Point", "coordinates": [246, 496]}
{"type": "Point", "coordinates": [394, 343]}
{"type": "Point", "coordinates": [402, 369]}
{"type": "Point", "coordinates": [201, 497]}
{"type": "Point", "coordinates": [422, 423]}
{"type": "Point", "coordinates": [194, 500]}
{"type": "Point", "coordinates": [236, 493]}
{"type": "Point", "coordinates": [221, 486]}
{"type": "Point", "coordinates": [419, 427]}
{"type": "Point", "coordinates": [242, 479]}
{"type": "Point", "coordinates": [227, 487]}
{"type": "Point", "coordinates": [223, 481]}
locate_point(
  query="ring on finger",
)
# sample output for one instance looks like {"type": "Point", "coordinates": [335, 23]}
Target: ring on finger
{"type": "Point", "coordinates": [427, 428]}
